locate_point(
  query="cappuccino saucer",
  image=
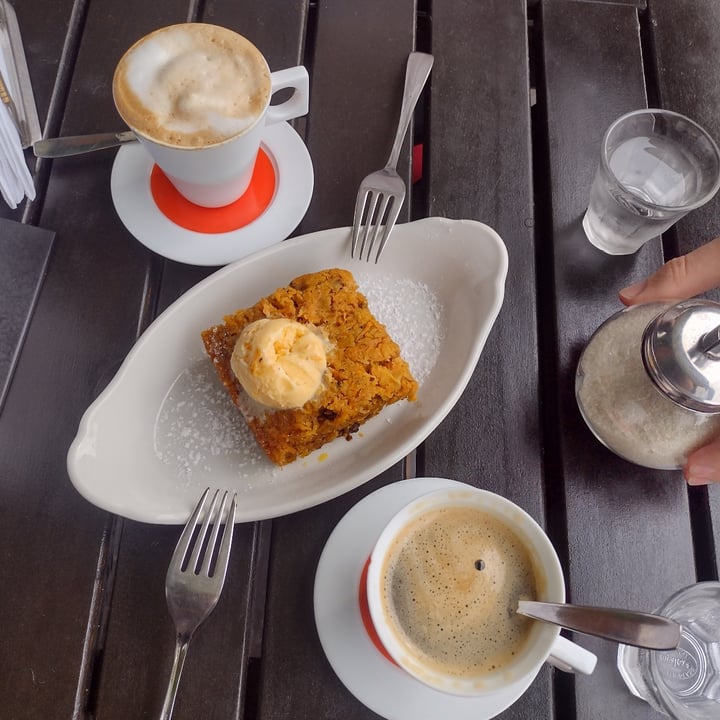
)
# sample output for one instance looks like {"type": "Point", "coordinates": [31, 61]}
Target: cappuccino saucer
{"type": "Point", "coordinates": [130, 186]}
{"type": "Point", "coordinates": [373, 679]}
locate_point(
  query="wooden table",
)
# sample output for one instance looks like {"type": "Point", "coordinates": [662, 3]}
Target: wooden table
{"type": "Point", "coordinates": [511, 124]}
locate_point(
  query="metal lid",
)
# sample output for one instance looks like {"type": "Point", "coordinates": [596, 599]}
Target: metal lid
{"type": "Point", "coordinates": [681, 353]}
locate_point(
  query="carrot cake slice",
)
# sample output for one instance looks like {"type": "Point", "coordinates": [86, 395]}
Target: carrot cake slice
{"type": "Point", "coordinates": [308, 363]}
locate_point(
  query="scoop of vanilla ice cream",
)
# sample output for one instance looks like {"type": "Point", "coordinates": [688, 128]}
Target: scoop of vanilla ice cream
{"type": "Point", "coordinates": [279, 362]}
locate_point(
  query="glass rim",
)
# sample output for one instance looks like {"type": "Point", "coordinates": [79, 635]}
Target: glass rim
{"type": "Point", "coordinates": [667, 604]}
{"type": "Point", "coordinates": [656, 206]}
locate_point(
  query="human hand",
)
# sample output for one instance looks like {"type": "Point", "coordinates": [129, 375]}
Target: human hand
{"type": "Point", "coordinates": [678, 279]}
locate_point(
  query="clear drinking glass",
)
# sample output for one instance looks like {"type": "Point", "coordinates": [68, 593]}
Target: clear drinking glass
{"type": "Point", "coordinates": [683, 683]}
{"type": "Point", "coordinates": [655, 166]}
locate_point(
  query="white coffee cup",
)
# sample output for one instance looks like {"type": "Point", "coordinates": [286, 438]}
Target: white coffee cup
{"type": "Point", "coordinates": [542, 641]}
{"type": "Point", "coordinates": [201, 116]}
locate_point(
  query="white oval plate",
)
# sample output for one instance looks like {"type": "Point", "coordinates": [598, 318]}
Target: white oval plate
{"type": "Point", "coordinates": [164, 429]}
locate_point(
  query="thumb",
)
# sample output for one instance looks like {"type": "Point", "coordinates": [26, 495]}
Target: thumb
{"type": "Point", "coordinates": [703, 465]}
{"type": "Point", "coordinates": [679, 278]}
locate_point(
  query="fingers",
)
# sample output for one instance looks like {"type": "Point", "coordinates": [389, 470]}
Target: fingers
{"type": "Point", "coordinates": [683, 277]}
{"type": "Point", "coordinates": [680, 278]}
{"type": "Point", "coordinates": [703, 466]}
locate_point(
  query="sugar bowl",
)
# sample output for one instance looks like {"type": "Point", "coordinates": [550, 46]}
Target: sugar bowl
{"type": "Point", "coordinates": [648, 381]}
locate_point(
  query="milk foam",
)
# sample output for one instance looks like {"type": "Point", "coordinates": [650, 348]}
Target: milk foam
{"type": "Point", "coordinates": [191, 84]}
{"type": "Point", "coordinates": [451, 584]}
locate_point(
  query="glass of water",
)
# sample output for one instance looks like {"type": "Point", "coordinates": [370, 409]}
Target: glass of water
{"type": "Point", "coordinates": [683, 683]}
{"type": "Point", "coordinates": [655, 166]}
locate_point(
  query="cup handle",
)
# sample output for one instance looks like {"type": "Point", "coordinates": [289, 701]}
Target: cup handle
{"type": "Point", "coordinates": [299, 103]}
{"type": "Point", "coordinates": [566, 655]}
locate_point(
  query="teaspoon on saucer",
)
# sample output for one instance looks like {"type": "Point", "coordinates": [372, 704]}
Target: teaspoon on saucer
{"type": "Point", "coordinates": [624, 626]}
{"type": "Point", "coordinates": [79, 144]}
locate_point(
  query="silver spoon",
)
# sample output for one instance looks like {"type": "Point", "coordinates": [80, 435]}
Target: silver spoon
{"type": "Point", "coordinates": [79, 144]}
{"type": "Point", "coordinates": [624, 626]}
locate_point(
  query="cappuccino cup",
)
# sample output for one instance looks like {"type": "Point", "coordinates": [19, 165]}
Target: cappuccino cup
{"type": "Point", "coordinates": [198, 98]}
{"type": "Point", "coordinates": [443, 584]}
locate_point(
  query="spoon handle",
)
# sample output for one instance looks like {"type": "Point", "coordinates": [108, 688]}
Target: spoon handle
{"type": "Point", "coordinates": [624, 626]}
{"type": "Point", "coordinates": [79, 144]}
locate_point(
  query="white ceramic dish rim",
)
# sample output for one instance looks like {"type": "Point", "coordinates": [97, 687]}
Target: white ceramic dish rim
{"type": "Point", "coordinates": [134, 495]}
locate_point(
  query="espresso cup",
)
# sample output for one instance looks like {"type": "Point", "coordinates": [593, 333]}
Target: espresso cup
{"type": "Point", "coordinates": [443, 583]}
{"type": "Point", "coordinates": [198, 98]}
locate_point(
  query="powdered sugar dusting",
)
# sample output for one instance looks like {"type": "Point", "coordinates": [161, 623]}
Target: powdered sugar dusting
{"type": "Point", "coordinates": [412, 315]}
{"type": "Point", "coordinates": [199, 429]}
{"type": "Point", "coordinates": [200, 433]}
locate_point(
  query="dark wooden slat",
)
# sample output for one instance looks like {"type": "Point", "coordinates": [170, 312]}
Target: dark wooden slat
{"type": "Point", "coordinates": [277, 28]}
{"type": "Point", "coordinates": [356, 74]}
{"type": "Point", "coordinates": [480, 108]}
{"type": "Point", "coordinates": [686, 51]}
{"type": "Point", "coordinates": [54, 534]}
{"type": "Point", "coordinates": [638, 4]}
{"type": "Point", "coordinates": [24, 252]}
{"type": "Point", "coordinates": [140, 632]}
{"type": "Point", "coordinates": [43, 35]}
{"type": "Point", "coordinates": [297, 681]}
{"type": "Point", "coordinates": [615, 510]}
{"type": "Point", "coordinates": [472, 176]}
{"type": "Point", "coordinates": [88, 313]}
{"type": "Point", "coordinates": [685, 48]}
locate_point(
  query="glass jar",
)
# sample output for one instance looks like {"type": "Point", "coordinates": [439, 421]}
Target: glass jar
{"type": "Point", "coordinates": [648, 382]}
{"type": "Point", "coordinates": [681, 683]}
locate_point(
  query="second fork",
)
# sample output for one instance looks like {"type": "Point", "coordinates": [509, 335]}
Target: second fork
{"type": "Point", "coordinates": [382, 193]}
{"type": "Point", "coordinates": [195, 579]}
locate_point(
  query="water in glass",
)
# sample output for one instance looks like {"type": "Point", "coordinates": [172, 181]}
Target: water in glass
{"type": "Point", "coordinates": [651, 172]}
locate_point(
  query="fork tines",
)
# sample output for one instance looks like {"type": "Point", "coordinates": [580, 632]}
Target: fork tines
{"type": "Point", "coordinates": [375, 215]}
{"type": "Point", "coordinates": [205, 557]}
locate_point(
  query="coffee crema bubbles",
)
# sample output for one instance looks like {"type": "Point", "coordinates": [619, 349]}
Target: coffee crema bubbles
{"type": "Point", "coordinates": [191, 85]}
{"type": "Point", "coordinates": [451, 583]}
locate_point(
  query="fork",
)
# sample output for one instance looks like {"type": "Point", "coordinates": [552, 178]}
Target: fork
{"type": "Point", "coordinates": [195, 579]}
{"type": "Point", "coordinates": [382, 192]}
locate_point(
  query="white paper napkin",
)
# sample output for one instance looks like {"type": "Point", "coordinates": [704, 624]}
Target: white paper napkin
{"type": "Point", "coordinates": [15, 179]}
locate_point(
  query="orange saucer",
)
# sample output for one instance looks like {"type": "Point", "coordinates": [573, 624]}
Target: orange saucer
{"type": "Point", "coordinates": [162, 220]}
{"type": "Point", "coordinates": [246, 209]}
{"type": "Point", "coordinates": [346, 637]}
